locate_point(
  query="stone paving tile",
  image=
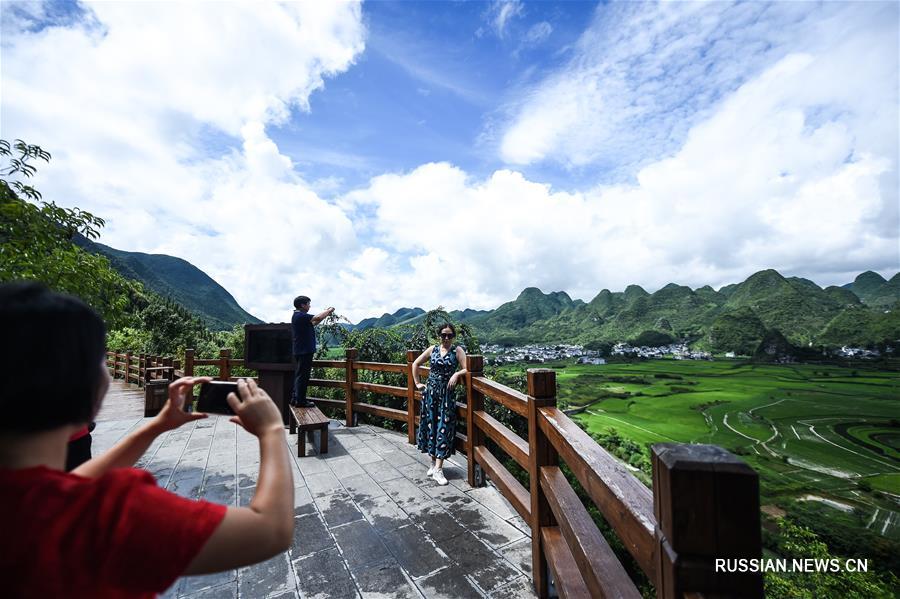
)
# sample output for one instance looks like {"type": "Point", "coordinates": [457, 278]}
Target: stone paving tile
{"type": "Point", "coordinates": [361, 486]}
{"type": "Point", "coordinates": [192, 584]}
{"type": "Point", "coordinates": [490, 498]}
{"type": "Point", "coordinates": [345, 467]}
{"type": "Point", "coordinates": [437, 522]}
{"type": "Point", "coordinates": [398, 533]}
{"type": "Point", "coordinates": [323, 483]}
{"type": "Point", "coordinates": [360, 544]}
{"type": "Point", "coordinates": [303, 502]}
{"type": "Point", "coordinates": [385, 581]}
{"type": "Point", "coordinates": [382, 513]}
{"type": "Point", "coordinates": [474, 558]}
{"type": "Point", "coordinates": [381, 471]}
{"type": "Point", "coordinates": [224, 494]}
{"type": "Point", "coordinates": [449, 583]}
{"type": "Point", "coordinates": [365, 455]}
{"type": "Point", "coordinates": [520, 588]}
{"type": "Point", "coordinates": [486, 524]}
{"type": "Point", "coordinates": [245, 495]}
{"type": "Point", "coordinates": [519, 554]}
{"type": "Point", "coordinates": [311, 465]}
{"type": "Point", "coordinates": [227, 591]}
{"type": "Point", "coordinates": [186, 487]}
{"type": "Point", "coordinates": [265, 578]}
{"type": "Point", "coordinates": [310, 536]}
{"type": "Point", "coordinates": [404, 492]}
{"type": "Point", "coordinates": [414, 551]}
{"type": "Point", "coordinates": [337, 509]}
{"type": "Point", "coordinates": [324, 574]}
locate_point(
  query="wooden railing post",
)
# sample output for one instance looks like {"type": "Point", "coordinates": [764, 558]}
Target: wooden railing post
{"type": "Point", "coordinates": [189, 362]}
{"type": "Point", "coordinates": [127, 367]}
{"type": "Point", "coordinates": [474, 403]}
{"type": "Point", "coordinates": [142, 369]}
{"type": "Point", "coordinates": [706, 503]}
{"type": "Point", "coordinates": [224, 366]}
{"type": "Point", "coordinates": [541, 393]}
{"type": "Point", "coordinates": [350, 378]}
{"type": "Point", "coordinates": [411, 402]}
{"type": "Point", "coordinates": [167, 362]}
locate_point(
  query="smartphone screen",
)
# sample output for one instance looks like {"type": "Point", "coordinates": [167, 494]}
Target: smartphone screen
{"type": "Point", "coordinates": [212, 397]}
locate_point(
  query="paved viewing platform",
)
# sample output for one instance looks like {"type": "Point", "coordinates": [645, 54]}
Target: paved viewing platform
{"type": "Point", "coordinates": [368, 522]}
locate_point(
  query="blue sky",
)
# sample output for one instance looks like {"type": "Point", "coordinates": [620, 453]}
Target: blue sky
{"type": "Point", "coordinates": [384, 154]}
{"type": "Point", "coordinates": [432, 80]}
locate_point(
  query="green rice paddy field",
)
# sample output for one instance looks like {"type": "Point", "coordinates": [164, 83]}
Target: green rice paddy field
{"type": "Point", "coordinates": [819, 433]}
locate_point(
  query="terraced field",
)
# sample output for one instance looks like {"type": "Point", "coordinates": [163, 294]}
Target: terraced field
{"type": "Point", "coordinates": [814, 433]}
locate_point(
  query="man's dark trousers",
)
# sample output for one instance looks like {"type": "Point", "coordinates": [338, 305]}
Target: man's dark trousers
{"type": "Point", "coordinates": [302, 368]}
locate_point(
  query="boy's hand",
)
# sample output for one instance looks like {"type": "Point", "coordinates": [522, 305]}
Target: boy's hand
{"type": "Point", "coordinates": [172, 414]}
{"type": "Point", "coordinates": [255, 410]}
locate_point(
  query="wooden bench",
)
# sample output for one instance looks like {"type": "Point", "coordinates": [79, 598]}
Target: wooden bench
{"type": "Point", "coordinates": [305, 420]}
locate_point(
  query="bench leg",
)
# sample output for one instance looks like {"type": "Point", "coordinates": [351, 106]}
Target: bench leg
{"type": "Point", "coordinates": [301, 444]}
{"type": "Point", "coordinates": [293, 424]}
{"type": "Point", "coordinates": [323, 440]}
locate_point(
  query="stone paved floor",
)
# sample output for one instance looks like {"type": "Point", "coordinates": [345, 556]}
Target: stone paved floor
{"type": "Point", "coordinates": [367, 521]}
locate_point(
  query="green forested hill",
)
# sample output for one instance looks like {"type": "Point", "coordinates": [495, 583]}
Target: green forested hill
{"type": "Point", "coordinates": [735, 318]}
{"type": "Point", "coordinates": [179, 280]}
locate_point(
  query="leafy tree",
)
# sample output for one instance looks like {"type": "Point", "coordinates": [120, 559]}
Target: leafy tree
{"type": "Point", "coordinates": [801, 543]}
{"type": "Point", "coordinates": [36, 238]}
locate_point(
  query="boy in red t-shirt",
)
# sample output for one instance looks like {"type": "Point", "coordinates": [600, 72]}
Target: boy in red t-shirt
{"type": "Point", "coordinates": [106, 529]}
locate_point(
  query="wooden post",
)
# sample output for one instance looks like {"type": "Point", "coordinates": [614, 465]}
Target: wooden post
{"type": "Point", "coordinates": [224, 366]}
{"type": "Point", "coordinates": [411, 402]}
{"type": "Point", "coordinates": [706, 503]}
{"type": "Point", "coordinates": [474, 403]}
{"type": "Point", "coordinates": [189, 362]}
{"type": "Point", "coordinates": [167, 361]}
{"type": "Point", "coordinates": [142, 366]}
{"type": "Point", "coordinates": [127, 367]}
{"type": "Point", "coordinates": [350, 378]}
{"type": "Point", "coordinates": [541, 393]}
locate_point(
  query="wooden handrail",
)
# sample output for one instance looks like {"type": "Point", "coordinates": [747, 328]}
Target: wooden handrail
{"type": "Point", "coordinates": [622, 499]}
{"type": "Point", "coordinates": [599, 566]}
{"type": "Point", "coordinates": [512, 399]}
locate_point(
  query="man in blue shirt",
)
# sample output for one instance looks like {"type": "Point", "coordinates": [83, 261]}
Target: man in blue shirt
{"type": "Point", "coordinates": [304, 337]}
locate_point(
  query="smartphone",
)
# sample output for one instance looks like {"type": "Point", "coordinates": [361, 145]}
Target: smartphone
{"type": "Point", "coordinates": [212, 397]}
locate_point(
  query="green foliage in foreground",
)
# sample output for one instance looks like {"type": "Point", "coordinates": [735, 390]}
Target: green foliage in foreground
{"type": "Point", "coordinates": [37, 242]}
{"type": "Point", "coordinates": [36, 239]}
{"type": "Point", "coordinates": [801, 543]}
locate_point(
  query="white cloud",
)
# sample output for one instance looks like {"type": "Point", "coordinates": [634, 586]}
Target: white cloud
{"type": "Point", "coordinates": [155, 114]}
{"type": "Point", "coordinates": [157, 120]}
{"type": "Point", "coordinates": [501, 12]}
{"type": "Point", "coordinates": [537, 33]}
{"type": "Point", "coordinates": [642, 74]}
{"type": "Point", "coordinates": [757, 184]}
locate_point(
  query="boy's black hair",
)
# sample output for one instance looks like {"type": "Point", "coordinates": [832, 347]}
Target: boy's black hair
{"type": "Point", "coordinates": [300, 300]}
{"type": "Point", "coordinates": [51, 353]}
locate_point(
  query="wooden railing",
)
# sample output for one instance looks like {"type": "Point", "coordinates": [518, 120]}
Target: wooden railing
{"type": "Point", "coordinates": [704, 504]}
{"type": "Point", "coordinates": [138, 369]}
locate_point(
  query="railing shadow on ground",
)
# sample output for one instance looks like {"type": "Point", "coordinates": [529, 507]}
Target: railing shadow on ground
{"type": "Point", "coordinates": [703, 507]}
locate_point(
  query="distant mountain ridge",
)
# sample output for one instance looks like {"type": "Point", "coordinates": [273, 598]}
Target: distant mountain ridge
{"type": "Point", "coordinates": [735, 318]}
{"type": "Point", "coordinates": [179, 280]}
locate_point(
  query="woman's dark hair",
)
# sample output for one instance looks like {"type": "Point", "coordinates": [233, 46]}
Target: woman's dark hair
{"type": "Point", "coordinates": [446, 325]}
{"type": "Point", "coordinates": [52, 349]}
{"type": "Point", "coordinates": [300, 300]}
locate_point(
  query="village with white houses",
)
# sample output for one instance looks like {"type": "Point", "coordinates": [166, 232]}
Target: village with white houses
{"type": "Point", "coordinates": [536, 353]}
{"type": "Point", "coordinates": [547, 353]}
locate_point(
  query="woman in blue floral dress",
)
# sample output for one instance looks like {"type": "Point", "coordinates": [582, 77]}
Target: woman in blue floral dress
{"type": "Point", "coordinates": [437, 425]}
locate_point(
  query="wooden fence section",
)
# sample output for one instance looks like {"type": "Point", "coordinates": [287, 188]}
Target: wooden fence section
{"type": "Point", "coordinates": [704, 504]}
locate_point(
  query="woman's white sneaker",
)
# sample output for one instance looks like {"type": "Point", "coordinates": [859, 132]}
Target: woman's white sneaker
{"type": "Point", "coordinates": [439, 476]}
{"type": "Point", "coordinates": [430, 471]}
